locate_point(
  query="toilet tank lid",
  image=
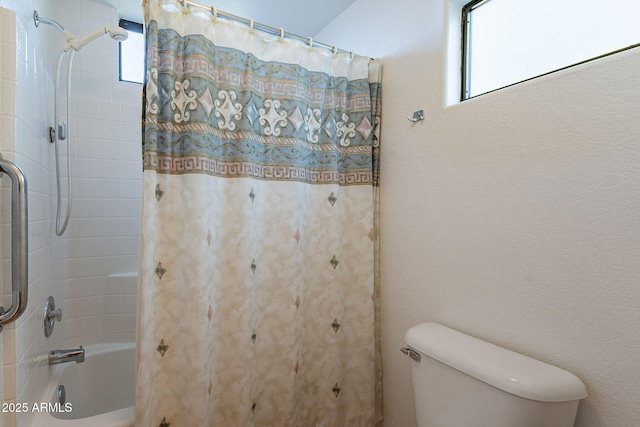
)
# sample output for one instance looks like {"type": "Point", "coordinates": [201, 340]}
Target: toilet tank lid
{"type": "Point", "coordinates": [504, 369]}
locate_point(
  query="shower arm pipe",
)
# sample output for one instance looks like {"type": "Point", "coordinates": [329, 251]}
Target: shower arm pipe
{"type": "Point", "coordinates": [262, 27]}
{"type": "Point", "coordinates": [37, 20]}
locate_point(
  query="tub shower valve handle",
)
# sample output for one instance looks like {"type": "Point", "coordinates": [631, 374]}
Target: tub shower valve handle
{"type": "Point", "coordinates": [51, 314]}
{"type": "Point", "coordinates": [55, 314]}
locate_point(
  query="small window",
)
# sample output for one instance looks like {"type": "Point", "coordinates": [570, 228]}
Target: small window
{"type": "Point", "coordinates": [131, 53]}
{"type": "Point", "coordinates": [510, 41]}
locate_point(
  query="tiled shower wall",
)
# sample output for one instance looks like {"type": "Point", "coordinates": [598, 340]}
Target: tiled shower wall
{"type": "Point", "coordinates": [25, 113]}
{"type": "Point", "coordinates": [99, 299]}
{"type": "Point", "coordinates": [82, 269]}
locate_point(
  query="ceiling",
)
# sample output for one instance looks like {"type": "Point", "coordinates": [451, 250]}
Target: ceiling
{"type": "Point", "coordinates": [302, 17]}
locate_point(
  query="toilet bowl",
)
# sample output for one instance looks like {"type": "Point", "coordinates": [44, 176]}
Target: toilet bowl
{"type": "Point", "coordinates": [462, 381]}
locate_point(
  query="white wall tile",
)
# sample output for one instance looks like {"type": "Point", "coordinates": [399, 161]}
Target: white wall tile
{"type": "Point", "coordinates": [96, 55]}
{"type": "Point", "coordinates": [111, 150]}
{"type": "Point", "coordinates": [110, 130]}
{"type": "Point", "coordinates": [68, 8]}
{"type": "Point", "coordinates": [102, 233]}
{"type": "Point", "coordinates": [110, 188]}
{"type": "Point", "coordinates": [88, 148]}
{"type": "Point", "coordinates": [128, 93]}
{"type": "Point", "coordinates": [87, 108]}
{"type": "Point", "coordinates": [94, 86]}
{"type": "Point", "coordinates": [86, 128]}
{"type": "Point", "coordinates": [111, 111]}
{"type": "Point", "coordinates": [131, 113]}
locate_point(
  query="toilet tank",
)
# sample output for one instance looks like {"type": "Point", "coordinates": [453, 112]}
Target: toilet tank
{"type": "Point", "coordinates": [459, 380]}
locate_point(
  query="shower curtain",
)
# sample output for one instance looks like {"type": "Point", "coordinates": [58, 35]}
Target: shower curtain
{"type": "Point", "coordinates": [258, 293]}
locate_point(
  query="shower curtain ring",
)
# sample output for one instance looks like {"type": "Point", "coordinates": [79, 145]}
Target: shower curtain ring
{"type": "Point", "coordinates": [251, 24]}
{"type": "Point", "coordinates": [310, 41]}
{"type": "Point", "coordinates": [281, 33]}
{"type": "Point", "coordinates": [185, 7]}
{"type": "Point", "coordinates": [214, 11]}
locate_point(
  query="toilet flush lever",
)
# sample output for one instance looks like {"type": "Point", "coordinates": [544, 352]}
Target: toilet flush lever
{"type": "Point", "coordinates": [411, 353]}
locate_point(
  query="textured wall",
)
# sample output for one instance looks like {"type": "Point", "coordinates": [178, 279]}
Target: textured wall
{"type": "Point", "coordinates": [512, 216]}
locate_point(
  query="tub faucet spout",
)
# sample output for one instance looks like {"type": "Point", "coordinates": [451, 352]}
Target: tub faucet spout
{"type": "Point", "coordinates": [64, 356]}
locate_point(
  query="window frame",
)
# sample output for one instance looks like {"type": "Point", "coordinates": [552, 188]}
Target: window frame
{"type": "Point", "coordinates": [130, 26]}
{"type": "Point", "coordinates": [465, 52]}
{"type": "Point", "coordinates": [465, 64]}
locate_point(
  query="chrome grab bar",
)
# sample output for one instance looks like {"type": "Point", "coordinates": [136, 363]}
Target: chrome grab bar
{"type": "Point", "coordinates": [19, 249]}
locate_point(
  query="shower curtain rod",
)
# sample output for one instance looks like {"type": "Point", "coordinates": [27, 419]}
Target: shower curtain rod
{"type": "Point", "coordinates": [263, 27]}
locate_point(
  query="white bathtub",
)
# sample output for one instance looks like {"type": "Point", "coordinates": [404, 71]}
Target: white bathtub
{"type": "Point", "coordinates": [101, 390]}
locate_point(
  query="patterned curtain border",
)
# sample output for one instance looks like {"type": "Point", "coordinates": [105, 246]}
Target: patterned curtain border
{"type": "Point", "coordinates": [222, 112]}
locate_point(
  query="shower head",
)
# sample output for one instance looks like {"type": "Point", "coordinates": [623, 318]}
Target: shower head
{"type": "Point", "coordinates": [116, 33]}
{"type": "Point", "coordinates": [119, 34]}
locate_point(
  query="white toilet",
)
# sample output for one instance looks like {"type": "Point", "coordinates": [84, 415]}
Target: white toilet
{"type": "Point", "coordinates": [461, 381]}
